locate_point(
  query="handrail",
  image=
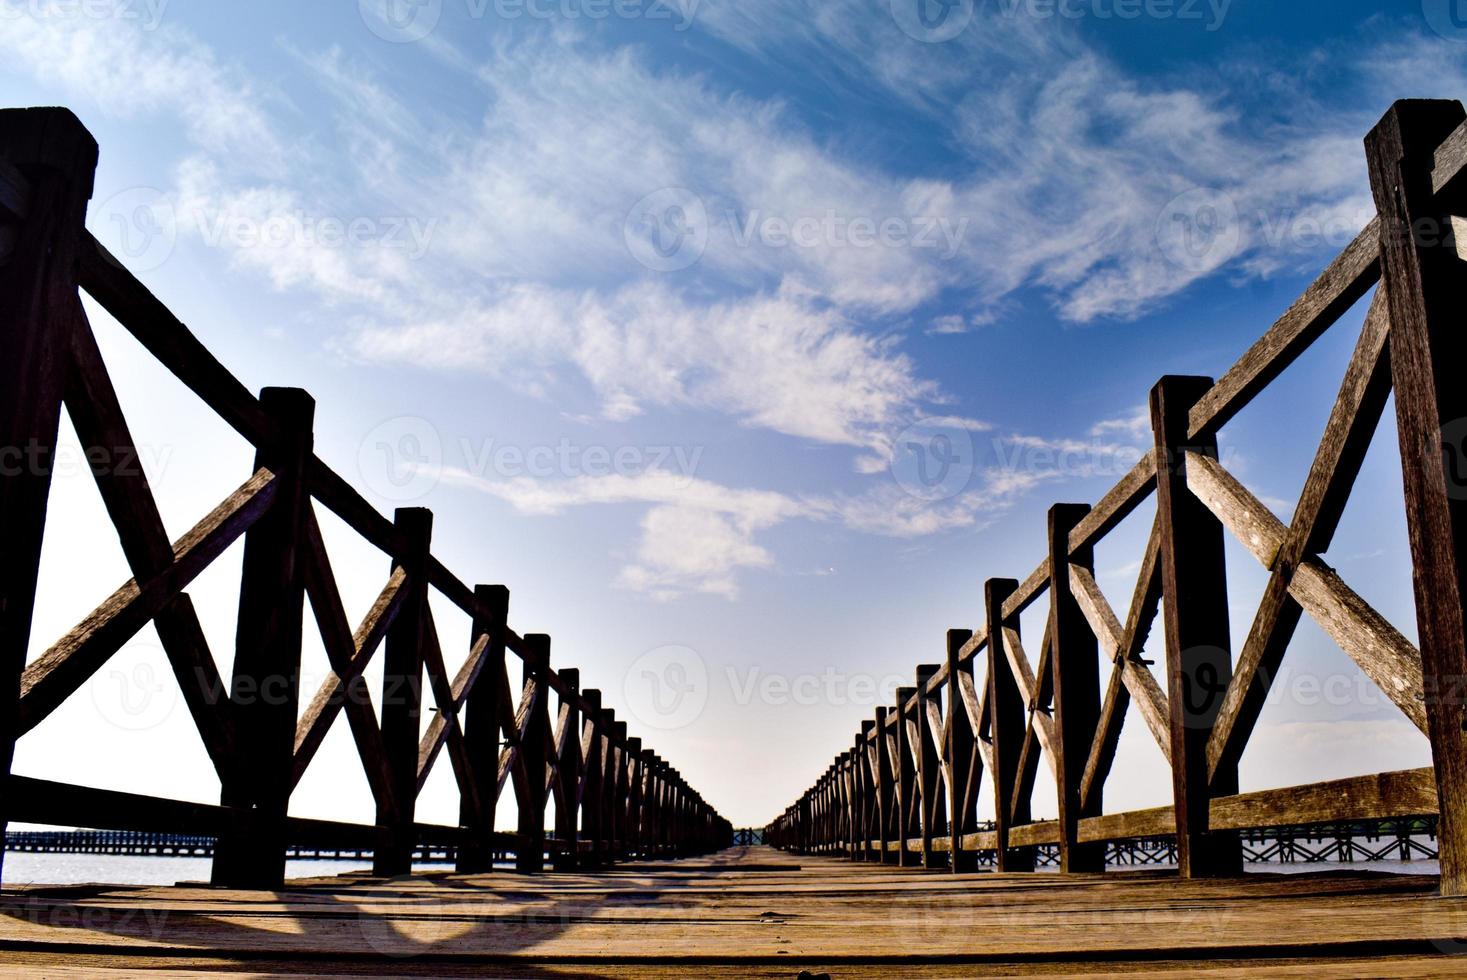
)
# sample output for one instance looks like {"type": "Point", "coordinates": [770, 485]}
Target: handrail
{"type": "Point", "coordinates": [906, 789]}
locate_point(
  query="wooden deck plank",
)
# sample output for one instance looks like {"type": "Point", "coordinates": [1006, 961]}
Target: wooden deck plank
{"type": "Point", "coordinates": [746, 912]}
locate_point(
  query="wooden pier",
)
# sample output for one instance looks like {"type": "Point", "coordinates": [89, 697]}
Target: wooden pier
{"type": "Point", "coordinates": [881, 867]}
{"type": "Point", "coordinates": [749, 912]}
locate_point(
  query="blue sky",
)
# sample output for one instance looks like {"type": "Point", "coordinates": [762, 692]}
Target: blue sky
{"type": "Point", "coordinates": [649, 306]}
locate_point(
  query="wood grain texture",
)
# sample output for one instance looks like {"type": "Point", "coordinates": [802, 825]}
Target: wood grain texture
{"type": "Point", "coordinates": [747, 913]}
{"type": "Point", "coordinates": [1423, 285]}
{"type": "Point", "coordinates": [1377, 647]}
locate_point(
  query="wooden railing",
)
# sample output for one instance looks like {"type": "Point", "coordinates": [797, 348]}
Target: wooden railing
{"type": "Point", "coordinates": [613, 797]}
{"type": "Point", "coordinates": [907, 788]}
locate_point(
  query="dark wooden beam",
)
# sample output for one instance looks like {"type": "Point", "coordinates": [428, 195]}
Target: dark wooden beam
{"type": "Point", "coordinates": [1423, 282]}
{"type": "Point", "coordinates": [481, 730]}
{"type": "Point", "coordinates": [53, 152]}
{"type": "Point", "coordinates": [1198, 646]}
{"type": "Point", "coordinates": [1075, 662]}
{"type": "Point", "coordinates": [402, 694]}
{"type": "Point", "coordinates": [265, 687]}
{"type": "Point", "coordinates": [1008, 702]}
{"type": "Point", "coordinates": [530, 858]}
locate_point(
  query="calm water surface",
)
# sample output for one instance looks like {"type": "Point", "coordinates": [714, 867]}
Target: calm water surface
{"type": "Point", "coordinates": [118, 869]}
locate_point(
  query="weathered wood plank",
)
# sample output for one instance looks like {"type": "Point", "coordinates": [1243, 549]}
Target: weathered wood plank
{"type": "Point", "coordinates": [1379, 649]}
{"type": "Point", "coordinates": [1347, 435]}
{"type": "Point", "coordinates": [144, 316]}
{"type": "Point", "coordinates": [1118, 504]}
{"type": "Point", "coordinates": [348, 655]}
{"type": "Point", "coordinates": [96, 414]}
{"type": "Point", "coordinates": [1338, 288]}
{"type": "Point", "coordinates": [55, 675]}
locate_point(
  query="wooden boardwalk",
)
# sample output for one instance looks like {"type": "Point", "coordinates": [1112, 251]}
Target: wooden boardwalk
{"type": "Point", "coordinates": [752, 912]}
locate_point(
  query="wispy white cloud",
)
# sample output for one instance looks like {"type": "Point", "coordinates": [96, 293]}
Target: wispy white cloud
{"type": "Point", "coordinates": [1063, 175]}
{"type": "Point", "coordinates": [131, 72]}
{"type": "Point", "coordinates": [697, 534]}
{"type": "Point", "coordinates": [784, 362]}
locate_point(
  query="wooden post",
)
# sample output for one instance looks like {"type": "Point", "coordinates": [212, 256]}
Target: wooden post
{"type": "Point", "coordinates": [481, 731]}
{"type": "Point", "coordinates": [265, 689]}
{"type": "Point", "coordinates": [1076, 672]}
{"type": "Point", "coordinates": [906, 774]}
{"type": "Point", "coordinates": [568, 815]}
{"type": "Point", "coordinates": [592, 822]}
{"type": "Point", "coordinates": [402, 695]}
{"type": "Point", "coordinates": [655, 790]}
{"type": "Point", "coordinates": [609, 823]}
{"type": "Point", "coordinates": [859, 797]}
{"type": "Point", "coordinates": [1009, 708]}
{"type": "Point", "coordinates": [929, 771]}
{"type": "Point", "coordinates": [961, 745]}
{"type": "Point", "coordinates": [530, 855]}
{"type": "Point", "coordinates": [870, 801]}
{"type": "Point", "coordinates": [38, 301]}
{"type": "Point", "coordinates": [1198, 645]}
{"type": "Point", "coordinates": [885, 808]}
{"type": "Point", "coordinates": [1422, 276]}
{"type": "Point", "coordinates": [634, 795]}
{"type": "Point", "coordinates": [619, 790]}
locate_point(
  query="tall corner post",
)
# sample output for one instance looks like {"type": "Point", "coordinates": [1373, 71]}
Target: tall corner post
{"type": "Point", "coordinates": [1426, 290]}
{"type": "Point", "coordinates": [57, 158]}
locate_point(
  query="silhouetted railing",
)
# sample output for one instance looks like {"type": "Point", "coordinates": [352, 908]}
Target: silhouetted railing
{"type": "Point", "coordinates": [907, 789]}
{"type": "Point", "coordinates": [612, 797]}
